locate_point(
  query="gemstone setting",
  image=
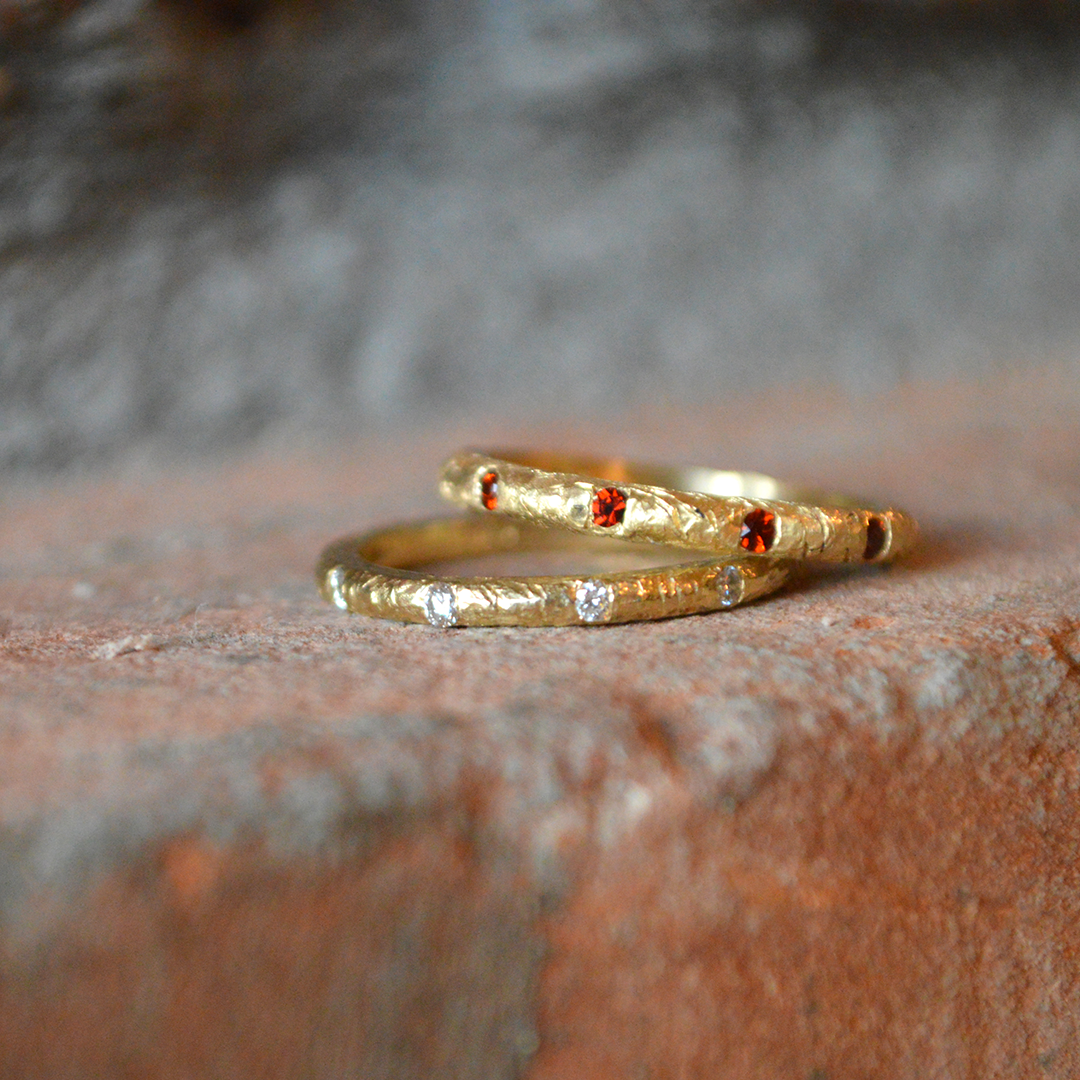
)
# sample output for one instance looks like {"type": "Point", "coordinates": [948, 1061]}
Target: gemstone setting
{"type": "Point", "coordinates": [608, 507]}
{"type": "Point", "coordinates": [729, 586]}
{"type": "Point", "coordinates": [489, 489]}
{"type": "Point", "coordinates": [579, 511]}
{"type": "Point", "coordinates": [441, 607]}
{"type": "Point", "coordinates": [593, 601]}
{"type": "Point", "coordinates": [758, 532]}
{"type": "Point", "coordinates": [335, 582]}
{"type": "Point", "coordinates": [876, 536]}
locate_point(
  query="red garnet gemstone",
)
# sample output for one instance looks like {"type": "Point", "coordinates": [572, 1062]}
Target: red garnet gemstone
{"type": "Point", "coordinates": [758, 531]}
{"type": "Point", "coordinates": [875, 538]}
{"type": "Point", "coordinates": [489, 490]}
{"type": "Point", "coordinates": [608, 507]}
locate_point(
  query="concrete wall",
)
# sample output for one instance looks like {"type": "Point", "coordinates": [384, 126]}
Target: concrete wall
{"type": "Point", "coordinates": [218, 217]}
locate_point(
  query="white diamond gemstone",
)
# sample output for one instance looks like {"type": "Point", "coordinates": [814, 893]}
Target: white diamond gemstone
{"type": "Point", "coordinates": [729, 584]}
{"type": "Point", "coordinates": [335, 582]}
{"type": "Point", "coordinates": [580, 511]}
{"type": "Point", "coordinates": [593, 600]}
{"type": "Point", "coordinates": [441, 607]}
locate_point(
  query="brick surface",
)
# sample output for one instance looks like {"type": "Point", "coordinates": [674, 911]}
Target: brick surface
{"type": "Point", "coordinates": [829, 835]}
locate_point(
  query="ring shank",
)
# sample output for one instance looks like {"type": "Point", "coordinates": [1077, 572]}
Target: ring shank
{"type": "Point", "coordinates": [700, 509]}
{"type": "Point", "coordinates": [689, 478]}
{"type": "Point", "coordinates": [378, 574]}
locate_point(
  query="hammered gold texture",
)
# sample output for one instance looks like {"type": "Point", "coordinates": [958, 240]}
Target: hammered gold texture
{"type": "Point", "coordinates": [373, 574]}
{"type": "Point", "coordinates": [696, 508]}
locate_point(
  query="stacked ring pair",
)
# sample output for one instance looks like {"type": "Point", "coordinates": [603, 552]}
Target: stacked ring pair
{"type": "Point", "coordinates": [748, 530]}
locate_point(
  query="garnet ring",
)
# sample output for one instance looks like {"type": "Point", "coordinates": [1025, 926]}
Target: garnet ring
{"type": "Point", "coordinates": [726, 514]}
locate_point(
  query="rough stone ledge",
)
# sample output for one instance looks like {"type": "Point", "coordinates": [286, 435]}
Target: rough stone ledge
{"type": "Point", "coordinates": [829, 835]}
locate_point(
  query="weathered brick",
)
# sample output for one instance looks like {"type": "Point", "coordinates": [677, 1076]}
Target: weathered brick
{"type": "Point", "coordinates": [832, 834]}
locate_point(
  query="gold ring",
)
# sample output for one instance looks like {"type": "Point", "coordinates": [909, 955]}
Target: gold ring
{"type": "Point", "coordinates": [729, 514]}
{"type": "Point", "coordinates": [374, 574]}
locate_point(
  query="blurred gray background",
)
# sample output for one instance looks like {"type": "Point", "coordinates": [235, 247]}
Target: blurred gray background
{"type": "Point", "coordinates": [220, 218]}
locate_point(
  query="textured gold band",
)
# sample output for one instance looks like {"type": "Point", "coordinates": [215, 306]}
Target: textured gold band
{"type": "Point", "coordinates": [729, 514]}
{"type": "Point", "coordinates": [373, 574]}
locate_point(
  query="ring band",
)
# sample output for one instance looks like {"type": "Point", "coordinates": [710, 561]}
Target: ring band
{"type": "Point", "coordinates": [373, 574]}
{"type": "Point", "coordinates": [728, 514]}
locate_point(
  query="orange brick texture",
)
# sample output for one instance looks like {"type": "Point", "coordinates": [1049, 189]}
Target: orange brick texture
{"type": "Point", "coordinates": [830, 835]}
